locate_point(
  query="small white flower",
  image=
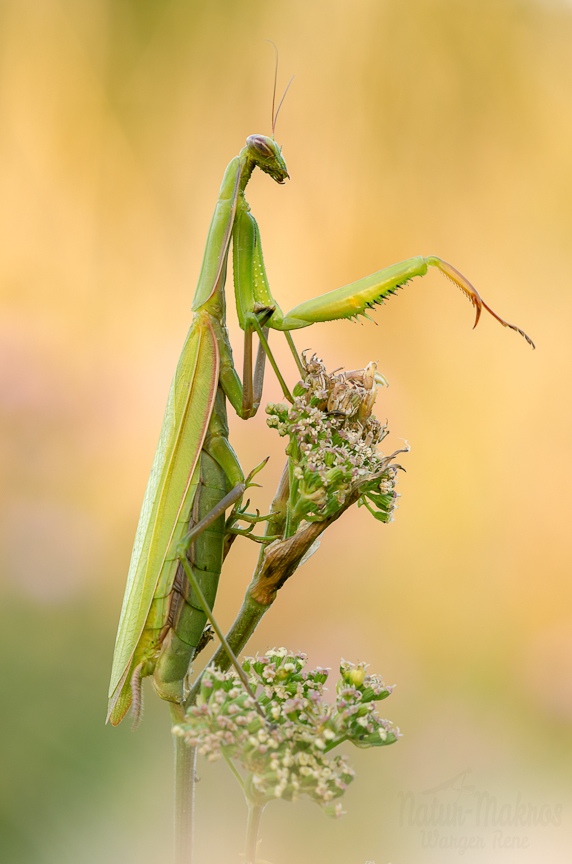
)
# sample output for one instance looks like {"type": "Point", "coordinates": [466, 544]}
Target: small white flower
{"type": "Point", "coordinates": [277, 652]}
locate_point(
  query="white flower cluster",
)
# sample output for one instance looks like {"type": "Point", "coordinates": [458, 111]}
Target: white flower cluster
{"type": "Point", "coordinates": [333, 444]}
{"type": "Point", "coordinates": [285, 757]}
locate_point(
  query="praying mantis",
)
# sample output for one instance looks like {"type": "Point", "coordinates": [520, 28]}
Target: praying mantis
{"type": "Point", "coordinates": [196, 474]}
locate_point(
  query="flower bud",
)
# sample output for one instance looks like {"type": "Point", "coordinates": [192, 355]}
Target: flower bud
{"type": "Point", "coordinates": [357, 675]}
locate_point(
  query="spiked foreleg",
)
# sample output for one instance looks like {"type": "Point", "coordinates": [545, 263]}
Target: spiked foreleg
{"type": "Point", "coordinates": [355, 299]}
{"type": "Point", "coordinates": [251, 287]}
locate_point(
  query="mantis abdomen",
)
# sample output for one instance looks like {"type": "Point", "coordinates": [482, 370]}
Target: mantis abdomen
{"type": "Point", "coordinates": [185, 620]}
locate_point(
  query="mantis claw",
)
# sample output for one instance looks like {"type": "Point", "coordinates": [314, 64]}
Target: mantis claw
{"type": "Point", "coordinates": [246, 532]}
{"type": "Point", "coordinates": [472, 294]}
{"type": "Point", "coordinates": [243, 516]}
{"type": "Point", "coordinates": [254, 472]}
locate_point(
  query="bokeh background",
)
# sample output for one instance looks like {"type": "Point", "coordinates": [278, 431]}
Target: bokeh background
{"type": "Point", "coordinates": [427, 127]}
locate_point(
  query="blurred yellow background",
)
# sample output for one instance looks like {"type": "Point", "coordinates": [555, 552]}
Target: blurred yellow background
{"type": "Point", "coordinates": [428, 127]}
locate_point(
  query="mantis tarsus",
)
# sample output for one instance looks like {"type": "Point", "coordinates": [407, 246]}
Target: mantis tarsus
{"type": "Point", "coordinates": [195, 466]}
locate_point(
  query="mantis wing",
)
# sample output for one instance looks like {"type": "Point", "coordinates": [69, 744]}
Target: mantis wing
{"type": "Point", "coordinates": [185, 424]}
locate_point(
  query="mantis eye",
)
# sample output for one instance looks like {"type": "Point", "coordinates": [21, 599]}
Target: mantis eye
{"type": "Point", "coordinates": [258, 143]}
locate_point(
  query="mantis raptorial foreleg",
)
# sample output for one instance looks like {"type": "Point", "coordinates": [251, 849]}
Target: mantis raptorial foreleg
{"type": "Point", "coordinates": [354, 299]}
{"type": "Point", "coordinates": [252, 290]}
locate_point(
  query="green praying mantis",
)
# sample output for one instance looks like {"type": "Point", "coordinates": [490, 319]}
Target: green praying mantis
{"type": "Point", "coordinates": [196, 474]}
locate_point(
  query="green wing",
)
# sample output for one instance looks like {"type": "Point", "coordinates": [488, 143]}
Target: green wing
{"type": "Point", "coordinates": [185, 424]}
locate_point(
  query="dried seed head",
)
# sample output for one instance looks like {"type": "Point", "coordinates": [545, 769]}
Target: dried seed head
{"type": "Point", "coordinates": [333, 443]}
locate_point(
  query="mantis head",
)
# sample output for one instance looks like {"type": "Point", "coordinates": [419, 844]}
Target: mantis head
{"type": "Point", "coordinates": [266, 153]}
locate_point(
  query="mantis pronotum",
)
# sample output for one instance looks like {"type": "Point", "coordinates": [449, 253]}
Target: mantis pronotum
{"type": "Point", "coordinates": [162, 619]}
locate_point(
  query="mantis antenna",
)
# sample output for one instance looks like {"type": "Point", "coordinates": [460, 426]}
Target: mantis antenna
{"type": "Point", "coordinates": [275, 115]}
{"type": "Point", "coordinates": [281, 101]}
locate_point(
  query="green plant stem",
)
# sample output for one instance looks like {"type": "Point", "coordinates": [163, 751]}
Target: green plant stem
{"type": "Point", "coordinates": [252, 826]}
{"type": "Point", "coordinates": [234, 769]}
{"type": "Point", "coordinates": [185, 758]}
{"type": "Point", "coordinates": [335, 743]}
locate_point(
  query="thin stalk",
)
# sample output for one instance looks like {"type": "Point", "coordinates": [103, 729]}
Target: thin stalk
{"type": "Point", "coordinates": [269, 354]}
{"type": "Point", "coordinates": [246, 622]}
{"type": "Point", "coordinates": [185, 758]}
{"type": "Point", "coordinates": [244, 626]}
{"type": "Point", "coordinates": [226, 647]}
{"type": "Point", "coordinates": [292, 484]}
{"type": "Point", "coordinates": [290, 341]}
{"type": "Point", "coordinates": [252, 826]}
{"type": "Point", "coordinates": [234, 769]}
{"type": "Point", "coordinates": [335, 743]}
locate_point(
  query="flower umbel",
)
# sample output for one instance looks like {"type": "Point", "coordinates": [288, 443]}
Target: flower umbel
{"type": "Point", "coordinates": [333, 444]}
{"type": "Point", "coordinates": [286, 757]}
